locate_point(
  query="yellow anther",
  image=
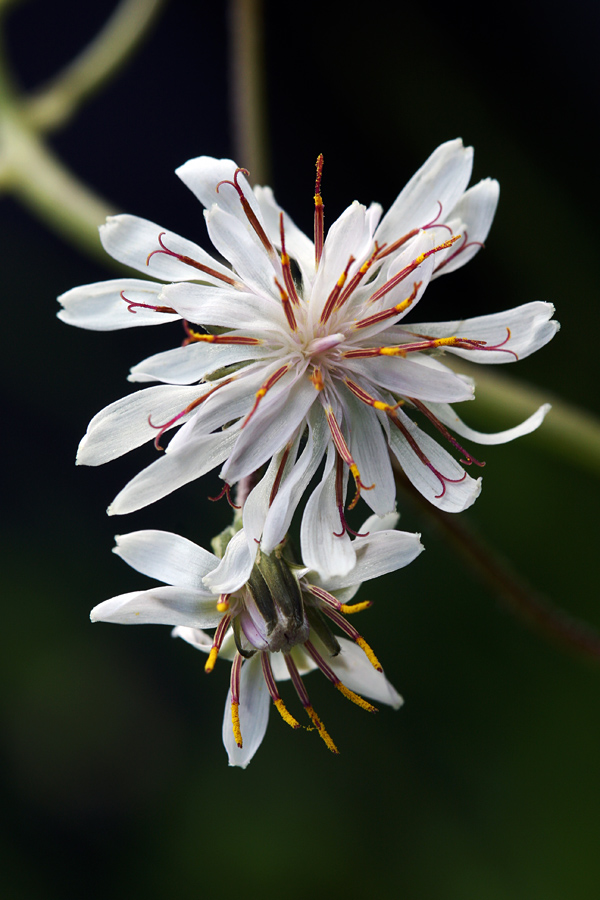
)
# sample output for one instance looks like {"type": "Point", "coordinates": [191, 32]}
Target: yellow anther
{"type": "Point", "coordinates": [323, 733]}
{"type": "Point", "coordinates": [212, 658]}
{"type": "Point", "coordinates": [369, 654]}
{"type": "Point", "coordinates": [356, 607]}
{"type": "Point", "coordinates": [356, 698]}
{"type": "Point", "coordinates": [223, 606]}
{"type": "Point", "coordinates": [392, 351]}
{"type": "Point", "coordinates": [400, 307]}
{"type": "Point", "coordinates": [285, 260]}
{"type": "Point", "coordinates": [317, 379]}
{"type": "Point", "coordinates": [235, 720]}
{"type": "Point", "coordinates": [318, 200]}
{"type": "Point", "coordinates": [285, 715]}
{"type": "Point", "coordinates": [342, 279]}
{"type": "Point", "coordinates": [445, 342]}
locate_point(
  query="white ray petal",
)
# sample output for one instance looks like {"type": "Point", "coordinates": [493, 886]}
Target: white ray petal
{"type": "Point", "coordinates": [166, 556]}
{"type": "Point", "coordinates": [100, 306]}
{"type": "Point", "coordinates": [253, 711]}
{"type": "Point", "coordinates": [160, 606]}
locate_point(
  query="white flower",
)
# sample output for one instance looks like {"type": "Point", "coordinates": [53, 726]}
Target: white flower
{"type": "Point", "coordinates": [273, 627]}
{"type": "Point", "coordinates": [305, 339]}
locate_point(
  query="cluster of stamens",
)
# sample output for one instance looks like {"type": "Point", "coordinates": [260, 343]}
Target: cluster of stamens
{"type": "Point", "coordinates": [321, 367]}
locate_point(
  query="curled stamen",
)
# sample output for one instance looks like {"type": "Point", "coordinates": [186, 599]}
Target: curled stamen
{"type": "Point", "coordinates": [339, 499]}
{"type": "Point", "coordinates": [226, 492]}
{"type": "Point", "coordinates": [192, 406]}
{"type": "Point", "coordinates": [333, 602]}
{"type": "Point", "coordinates": [132, 303]}
{"type": "Point", "coordinates": [468, 458]}
{"type": "Point", "coordinates": [249, 212]}
{"type": "Point", "coordinates": [430, 344]}
{"type": "Point", "coordinates": [443, 479]}
{"type": "Point", "coordinates": [195, 264]}
{"type": "Point", "coordinates": [199, 337]}
{"type": "Point", "coordinates": [466, 243]}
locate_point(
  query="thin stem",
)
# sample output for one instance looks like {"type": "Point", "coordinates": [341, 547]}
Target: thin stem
{"type": "Point", "coordinates": [531, 605]}
{"type": "Point", "coordinates": [248, 88]}
{"type": "Point", "coordinates": [54, 103]}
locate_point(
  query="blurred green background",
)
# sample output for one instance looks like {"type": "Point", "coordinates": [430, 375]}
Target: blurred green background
{"type": "Point", "coordinates": [486, 784]}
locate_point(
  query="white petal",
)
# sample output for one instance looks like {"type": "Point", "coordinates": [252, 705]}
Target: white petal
{"type": "Point", "coordinates": [441, 179]}
{"type": "Point", "coordinates": [243, 249]}
{"type": "Point", "coordinates": [167, 557]}
{"type": "Point", "coordinates": [279, 415]}
{"type": "Point", "coordinates": [123, 425]}
{"type": "Point", "coordinates": [225, 307]}
{"type": "Point", "coordinates": [324, 549]}
{"type": "Point", "coordinates": [173, 470]}
{"type": "Point", "coordinates": [368, 447]}
{"type": "Point", "coordinates": [234, 569]}
{"type": "Point", "coordinates": [202, 176]}
{"type": "Point", "coordinates": [185, 365]}
{"type": "Point", "coordinates": [355, 671]}
{"type": "Point", "coordinates": [253, 711]}
{"type": "Point", "coordinates": [100, 306]}
{"type": "Point", "coordinates": [416, 376]}
{"type": "Point", "coordinates": [131, 240]}
{"type": "Point", "coordinates": [454, 490]}
{"type": "Point", "coordinates": [377, 554]}
{"type": "Point", "coordinates": [194, 636]}
{"type": "Point", "coordinates": [447, 415]}
{"type": "Point", "coordinates": [160, 606]}
{"type": "Point", "coordinates": [520, 331]}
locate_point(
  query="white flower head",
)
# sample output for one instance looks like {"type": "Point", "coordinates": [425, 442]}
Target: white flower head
{"type": "Point", "coordinates": [273, 627]}
{"type": "Point", "coordinates": [304, 351]}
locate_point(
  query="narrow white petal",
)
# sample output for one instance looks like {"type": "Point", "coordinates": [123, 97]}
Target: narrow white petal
{"type": "Point", "coordinates": [194, 636]}
{"type": "Point", "coordinates": [243, 249]}
{"type": "Point", "coordinates": [253, 711]}
{"type": "Point", "coordinates": [259, 501]}
{"type": "Point", "coordinates": [173, 470]}
{"type": "Point", "coordinates": [446, 414]}
{"type": "Point", "coordinates": [368, 447]}
{"type": "Point", "coordinates": [100, 306]}
{"type": "Point", "coordinates": [131, 240]}
{"type": "Point", "coordinates": [225, 308]}
{"type": "Point", "coordinates": [234, 569]}
{"type": "Point", "coordinates": [519, 331]}
{"type": "Point", "coordinates": [196, 361]}
{"type": "Point", "coordinates": [279, 415]}
{"type": "Point", "coordinates": [160, 606]}
{"type": "Point", "coordinates": [324, 549]}
{"type": "Point", "coordinates": [167, 557]}
{"type": "Point", "coordinates": [416, 376]}
{"type": "Point", "coordinates": [123, 425]}
{"type": "Point", "coordinates": [440, 180]}
{"type": "Point", "coordinates": [202, 176]}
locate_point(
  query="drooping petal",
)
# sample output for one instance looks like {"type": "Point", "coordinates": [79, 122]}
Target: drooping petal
{"type": "Point", "coordinates": [124, 425]}
{"type": "Point", "coordinates": [166, 556]}
{"type": "Point", "coordinates": [446, 414]}
{"type": "Point", "coordinates": [101, 307]}
{"type": "Point", "coordinates": [253, 712]}
{"type": "Point", "coordinates": [160, 606]}
{"type": "Point", "coordinates": [131, 240]}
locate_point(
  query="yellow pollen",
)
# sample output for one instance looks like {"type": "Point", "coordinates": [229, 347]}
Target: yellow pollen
{"type": "Point", "coordinates": [400, 307]}
{"type": "Point", "coordinates": [223, 607]}
{"type": "Point", "coordinates": [356, 698]}
{"type": "Point", "coordinates": [392, 351]}
{"type": "Point", "coordinates": [323, 733]}
{"type": "Point", "coordinates": [261, 393]}
{"type": "Point", "coordinates": [317, 379]}
{"type": "Point", "coordinates": [445, 342]}
{"type": "Point", "coordinates": [318, 200]}
{"type": "Point", "coordinates": [365, 267]}
{"type": "Point", "coordinates": [235, 720]}
{"type": "Point", "coordinates": [356, 607]}
{"type": "Point", "coordinates": [369, 654]}
{"type": "Point", "coordinates": [212, 658]}
{"type": "Point", "coordinates": [285, 715]}
{"type": "Point", "coordinates": [285, 260]}
{"type": "Point", "coordinates": [342, 279]}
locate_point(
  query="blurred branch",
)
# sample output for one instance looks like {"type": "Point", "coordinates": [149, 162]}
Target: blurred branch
{"type": "Point", "coordinates": [495, 570]}
{"type": "Point", "coordinates": [55, 102]}
{"type": "Point", "coordinates": [568, 432]}
{"type": "Point", "coordinates": [247, 89]}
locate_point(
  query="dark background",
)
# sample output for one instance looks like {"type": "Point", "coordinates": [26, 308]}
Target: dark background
{"type": "Point", "coordinates": [485, 785]}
